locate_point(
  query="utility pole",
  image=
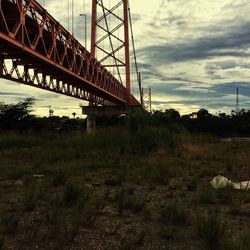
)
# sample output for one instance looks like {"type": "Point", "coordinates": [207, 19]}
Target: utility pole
{"type": "Point", "coordinates": [51, 111]}
{"type": "Point", "coordinates": [237, 105]}
{"type": "Point", "coordinates": [146, 99]}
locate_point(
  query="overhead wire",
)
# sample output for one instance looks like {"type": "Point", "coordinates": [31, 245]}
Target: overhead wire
{"type": "Point", "coordinates": [134, 53]}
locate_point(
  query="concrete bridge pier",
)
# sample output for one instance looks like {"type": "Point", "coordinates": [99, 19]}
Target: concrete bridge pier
{"type": "Point", "coordinates": [103, 111]}
{"type": "Point", "coordinates": [91, 124]}
{"type": "Point", "coordinates": [99, 111]}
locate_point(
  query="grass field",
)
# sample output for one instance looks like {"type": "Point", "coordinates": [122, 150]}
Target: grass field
{"type": "Point", "coordinates": [148, 189]}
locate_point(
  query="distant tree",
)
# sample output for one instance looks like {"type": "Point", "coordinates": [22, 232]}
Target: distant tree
{"type": "Point", "coordinates": [12, 114]}
{"type": "Point", "coordinates": [222, 115]}
{"type": "Point", "coordinates": [16, 112]}
{"type": "Point", "coordinates": [172, 114]}
{"type": "Point", "coordinates": [74, 115]}
{"type": "Point", "coordinates": [203, 114]}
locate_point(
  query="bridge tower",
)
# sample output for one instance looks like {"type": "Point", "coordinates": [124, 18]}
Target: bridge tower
{"type": "Point", "coordinates": [110, 38]}
{"type": "Point", "coordinates": [110, 46]}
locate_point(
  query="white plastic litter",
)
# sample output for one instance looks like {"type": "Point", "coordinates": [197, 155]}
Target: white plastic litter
{"type": "Point", "coordinates": [222, 182]}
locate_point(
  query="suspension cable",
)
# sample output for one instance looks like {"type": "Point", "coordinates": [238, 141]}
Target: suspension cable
{"type": "Point", "coordinates": [134, 53]}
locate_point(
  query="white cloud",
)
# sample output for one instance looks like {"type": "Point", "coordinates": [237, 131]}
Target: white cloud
{"type": "Point", "coordinates": [202, 42]}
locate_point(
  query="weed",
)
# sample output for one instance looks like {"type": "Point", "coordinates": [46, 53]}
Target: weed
{"type": "Point", "coordinates": [70, 231]}
{"type": "Point", "coordinates": [71, 194]}
{"type": "Point", "coordinates": [192, 184]}
{"type": "Point", "coordinates": [224, 195]}
{"type": "Point", "coordinates": [168, 232]}
{"type": "Point", "coordinates": [173, 212]}
{"type": "Point", "coordinates": [126, 245]}
{"type": "Point", "coordinates": [113, 181]}
{"type": "Point", "coordinates": [8, 223]}
{"type": "Point", "coordinates": [121, 196]}
{"type": "Point", "coordinates": [140, 236]}
{"type": "Point", "coordinates": [53, 218]}
{"type": "Point", "coordinates": [206, 194]}
{"type": "Point", "coordinates": [117, 178]}
{"type": "Point", "coordinates": [88, 214]}
{"type": "Point", "coordinates": [1, 243]}
{"type": "Point", "coordinates": [135, 203]}
{"type": "Point", "coordinates": [237, 240]}
{"type": "Point", "coordinates": [83, 199]}
{"type": "Point", "coordinates": [146, 213]}
{"type": "Point", "coordinates": [31, 232]}
{"type": "Point", "coordinates": [211, 228]}
{"type": "Point", "coordinates": [29, 198]}
{"type": "Point", "coordinates": [127, 201]}
{"type": "Point", "coordinates": [160, 174]}
{"type": "Point", "coordinates": [59, 178]}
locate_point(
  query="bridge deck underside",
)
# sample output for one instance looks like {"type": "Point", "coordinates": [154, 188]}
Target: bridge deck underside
{"type": "Point", "coordinates": [36, 50]}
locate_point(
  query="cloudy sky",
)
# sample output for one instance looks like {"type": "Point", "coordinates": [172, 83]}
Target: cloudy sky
{"type": "Point", "coordinates": [193, 53]}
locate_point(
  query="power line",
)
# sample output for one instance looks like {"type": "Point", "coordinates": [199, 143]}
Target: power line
{"type": "Point", "coordinates": [135, 58]}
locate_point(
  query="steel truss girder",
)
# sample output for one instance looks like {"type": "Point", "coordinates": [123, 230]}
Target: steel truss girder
{"type": "Point", "coordinates": [36, 42]}
{"type": "Point", "coordinates": [22, 73]}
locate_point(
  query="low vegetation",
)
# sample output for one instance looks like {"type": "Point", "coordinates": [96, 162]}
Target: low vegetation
{"type": "Point", "coordinates": [139, 186]}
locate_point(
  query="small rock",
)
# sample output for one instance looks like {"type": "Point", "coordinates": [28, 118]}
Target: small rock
{"type": "Point", "coordinates": [109, 210]}
{"type": "Point", "coordinates": [18, 182]}
{"type": "Point", "coordinates": [96, 184]}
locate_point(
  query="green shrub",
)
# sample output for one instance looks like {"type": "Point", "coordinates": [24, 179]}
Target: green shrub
{"type": "Point", "coordinates": [126, 245]}
{"type": "Point", "coordinates": [192, 184]}
{"type": "Point", "coordinates": [160, 174]}
{"type": "Point", "coordinates": [70, 231]}
{"type": "Point", "coordinates": [173, 212]}
{"type": "Point", "coordinates": [71, 194]}
{"type": "Point", "coordinates": [29, 198]}
{"type": "Point", "coordinates": [211, 228]}
{"type": "Point", "coordinates": [206, 194]}
{"type": "Point", "coordinates": [237, 240]}
{"type": "Point", "coordinates": [89, 214]}
{"type": "Point", "coordinates": [8, 223]}
{"type": "Point", "coordinates": [1, 243]}
{"type": "Point", "coordinates": [125, 200]}
{"type": "Point", "coordinates": [59, 178]}
{"type": "Point", "coordinates": [168, 232]}
{"type": "Point", "coordinates": [225, 195]}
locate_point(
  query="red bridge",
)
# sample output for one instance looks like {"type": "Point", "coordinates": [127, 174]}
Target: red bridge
{"type": "Point", "coordinates": [36, 50]}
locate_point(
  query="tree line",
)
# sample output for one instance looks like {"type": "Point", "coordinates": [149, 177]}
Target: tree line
{"type": "Point", "coordinates": [19, 117]}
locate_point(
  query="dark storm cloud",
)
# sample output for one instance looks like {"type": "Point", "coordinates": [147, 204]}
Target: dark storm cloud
{"type": "Point", "coordinates": [233, 43]}
{"type": "Point", "coordinates": [230, 88]}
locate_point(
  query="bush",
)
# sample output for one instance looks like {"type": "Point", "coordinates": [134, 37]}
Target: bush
{"type": "Point", "coordinates": [1, 243]}
{"type": "Point", "coordinates": [70, 231]}
{"type": "Point", "coordinates": [206, 194]}
{"type": "Point", "coordinates": [211, 228]}
{"type": "Point", "coordinates": [59, 178]}
{"type": "Point", "coordinates": [29, 198]}
{"type": "Point", "coordinates": [8, 223]}
{"type": "Point", "coordinates": [71, 194]}
{"type": "Point", "coordinates": [237, 240]}
{"type": "Point", "coordinates": [173, 212]}
{"type": "Point", "coordinates": [127, 200]}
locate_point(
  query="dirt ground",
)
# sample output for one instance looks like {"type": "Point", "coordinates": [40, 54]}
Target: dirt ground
{"type": "Point", "coordinates": [108, 199]}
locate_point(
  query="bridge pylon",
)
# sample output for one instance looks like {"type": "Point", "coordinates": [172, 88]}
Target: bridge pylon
{"type": "Point", "coordinates": [110, 46]}
{"type": "Point", "coordinates": [110, 39]}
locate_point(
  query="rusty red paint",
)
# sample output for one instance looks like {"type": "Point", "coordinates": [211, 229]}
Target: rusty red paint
{"type": "Point", "coordinates": [44, 54]}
